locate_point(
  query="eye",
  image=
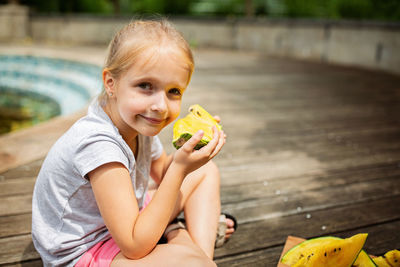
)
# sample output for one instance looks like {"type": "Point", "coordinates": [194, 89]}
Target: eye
{"type": "Point", "coordinates": [175, 91]}
{"type": "Point", "coordinates": [145, 86]}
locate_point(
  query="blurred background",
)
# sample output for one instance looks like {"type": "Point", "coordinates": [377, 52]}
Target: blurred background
{"type": "Point", "coordinates": [387, 10]}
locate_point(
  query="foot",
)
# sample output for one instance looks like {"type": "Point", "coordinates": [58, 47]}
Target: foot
{"type": "Point", "coordinates": [226, 227]}
{"type": "Point", "coordinates": [230, 228]}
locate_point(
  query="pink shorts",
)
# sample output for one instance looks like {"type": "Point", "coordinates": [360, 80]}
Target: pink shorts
{"type": "Point", "coordinates": [103, 253]}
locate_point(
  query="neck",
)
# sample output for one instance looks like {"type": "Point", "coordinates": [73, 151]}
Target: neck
{"type": "Point", "coordinates": [125, 131]}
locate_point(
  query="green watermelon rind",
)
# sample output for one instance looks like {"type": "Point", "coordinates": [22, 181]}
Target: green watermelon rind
{"type": "Point", "coordinates": [287, 254]}
{"type": "Point", "coordinates": [363, 251]}
{"type": "Point", "coordinates": [187, 136]}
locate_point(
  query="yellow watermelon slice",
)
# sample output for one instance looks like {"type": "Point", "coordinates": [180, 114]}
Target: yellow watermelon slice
{"type": "Point", "coordinates": [393, 257]}
{"type": "Point", "coordinates": [326, 251]}
{"type": "Point", "coordinates": [390, 259]}
{"type": "Point", "coordinates": [197, 119]}
{"type": "Point", "coordinates": [381, 262]}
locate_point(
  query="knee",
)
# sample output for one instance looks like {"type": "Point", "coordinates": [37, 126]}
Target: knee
{"type": "Point", "coordinates": [206, 174]}
{"type": "Point", "coordinates": [213, 166]}
{"type": "Point", "coordinates": [212, 169]}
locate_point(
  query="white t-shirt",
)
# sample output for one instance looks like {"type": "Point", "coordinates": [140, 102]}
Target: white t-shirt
{"type": "Point", "coordinates": [66, 221]}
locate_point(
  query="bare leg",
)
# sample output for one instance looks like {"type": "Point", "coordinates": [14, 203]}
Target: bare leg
{"type": "Point", "coordinates": [180, 249]}
{"type": "Point", "coordinates": [203, 207]}
{"type": "Point", "coordinates": [200, 200]}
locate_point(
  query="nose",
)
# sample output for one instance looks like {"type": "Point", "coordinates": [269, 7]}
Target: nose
{"type": "Point", "coordinates": [159, 103]}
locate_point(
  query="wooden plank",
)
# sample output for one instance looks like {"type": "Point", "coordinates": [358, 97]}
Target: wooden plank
{"type": "Point", "coordinates": [15, 225]}
{"type": "Point", "coordinates": [263, 173]}
{"type": "Point", "coordinates": [12, 205]}
{"type": "Point", "coordinates": [287, 103]}
{"type": "Point", "coordinates": [258, 258]}
{"type": "Point", "coordinates": [284, 204]}
{"type": "Point", "coordinates": [17, 186]}
{"type": "Point", "coordinates": [246, 125]}
{"type": "Point", "coordinates": [306, 113]}
{"type": "Point", "coordinates": [329, 144]}
{"type": "Point", "coordinates": [321, 160]}
{"type": "Point", "coordinates": [17, 249]}
{"type": "Point", "coordinates": [26, 170]}
{"type": "Point", "coordinates": [31, 263]}
{"type": "Point", "coordinates": [329, 155]}
{"type": "Point", "coordinates": [292, 185]}
{"type": "Point", "coordinates": [284, 95]}
{"type": "Point", "coordinates": [323, 140]}
{"type": "Point", "coordinates": [262, 234]}
{"type": "Point", "coordinates": [292, 164]}
{"type": "Point", "coordinates": [310, 131]}
{"type": "Point", "coordinates": [365, 134]}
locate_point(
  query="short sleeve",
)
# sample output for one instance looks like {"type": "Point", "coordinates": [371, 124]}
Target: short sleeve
{"type": "Point", "coordinates": [156, 148]}
{"type": "Point", "coordinates": [97, 150]}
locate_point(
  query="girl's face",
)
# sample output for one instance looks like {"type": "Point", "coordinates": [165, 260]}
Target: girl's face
{"type": "Point", "coordinates": [147, 97]}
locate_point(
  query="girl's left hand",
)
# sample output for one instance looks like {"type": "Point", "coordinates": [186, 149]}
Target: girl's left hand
{"type": "Point", "coordinates": [191, 159]}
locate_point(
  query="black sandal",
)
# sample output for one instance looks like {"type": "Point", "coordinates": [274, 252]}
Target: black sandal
{"type": "Point", "coordinates": [221, 230]}
{"type": "Point", "coordinates": [179, 223]}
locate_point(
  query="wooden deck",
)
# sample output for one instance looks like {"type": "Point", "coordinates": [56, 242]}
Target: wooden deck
{"type": "Point", "coordinates": [312, 150]}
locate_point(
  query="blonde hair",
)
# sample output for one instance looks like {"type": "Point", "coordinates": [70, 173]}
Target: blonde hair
{"type": "Point", "coordinates": [138, 37]}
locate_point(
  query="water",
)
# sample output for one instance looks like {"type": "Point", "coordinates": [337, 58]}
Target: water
{"type": "Point", "coordinates": [69, 83]}
{"type": "Point", "coordinates": [34, 89]}
{"type": "Point", "coordinates": [20, 109]}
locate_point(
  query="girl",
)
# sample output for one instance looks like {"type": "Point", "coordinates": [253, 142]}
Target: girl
{"type": "Point", "coordinates": [90, 194]}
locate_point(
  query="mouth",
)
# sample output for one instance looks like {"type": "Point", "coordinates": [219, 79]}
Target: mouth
{"type": "Point", "coordinates": [153, 120]}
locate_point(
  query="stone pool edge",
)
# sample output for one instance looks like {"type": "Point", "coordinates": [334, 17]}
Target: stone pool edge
{"type": "Point", "coordinates": [33, 143]}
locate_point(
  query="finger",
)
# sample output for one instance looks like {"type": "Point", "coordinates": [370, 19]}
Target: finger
{"type": "Point", "coordinates": [192, 142]}
{"type": "Point", "coordinates": [209, 148]}
{"type": "Point", "coordinates": [217, 118]}
{"type": "Point", "coordinates": [230, 231]}
{"type": "Point", "coordinates": [221, 143]}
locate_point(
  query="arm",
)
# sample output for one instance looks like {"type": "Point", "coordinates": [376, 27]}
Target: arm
{"type": "Point", "coordinates": [160, 166]}
{"type": "Point", "coordinates": [136, 234]}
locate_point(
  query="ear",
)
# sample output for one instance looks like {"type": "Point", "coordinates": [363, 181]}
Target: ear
{"type": "Point", "coordinates": [108, 81]}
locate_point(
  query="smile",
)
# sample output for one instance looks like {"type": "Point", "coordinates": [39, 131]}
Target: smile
{"type": "Point", "coordinates": [153, 120]}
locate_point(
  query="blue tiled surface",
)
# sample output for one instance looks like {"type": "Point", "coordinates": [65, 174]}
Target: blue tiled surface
{"type": "Point", "coordinates": [71, 84]}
